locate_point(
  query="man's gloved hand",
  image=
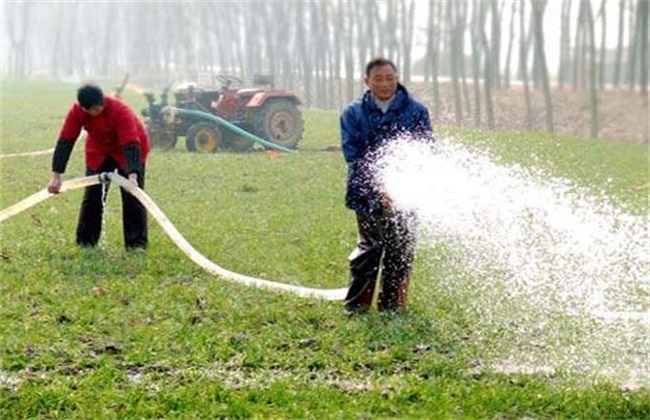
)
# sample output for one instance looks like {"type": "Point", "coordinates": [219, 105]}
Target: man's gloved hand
{"type": "Point", "coordinates": [54, 186]}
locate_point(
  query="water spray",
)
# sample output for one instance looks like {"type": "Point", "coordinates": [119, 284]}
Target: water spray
{"type": "Point", "coordinates": [174, 235]}
{"type": "Point", "coordinates": [555, 275]}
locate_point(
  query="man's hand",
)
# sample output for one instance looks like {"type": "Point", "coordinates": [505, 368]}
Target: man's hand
{"type": "Point", "coordinates": [133, 177]}
{"type": "Point", "coordinates": [54, 186]}
{"type": "Point", "coordinates": [385, 198]}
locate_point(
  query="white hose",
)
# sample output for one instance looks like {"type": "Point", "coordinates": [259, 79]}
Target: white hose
{"type": "Point", "coordinates": [174, 235]}
{"type": "Point", "coordinates": [42, 195]}
{"type": "Point", "coordinates": [36, 153]}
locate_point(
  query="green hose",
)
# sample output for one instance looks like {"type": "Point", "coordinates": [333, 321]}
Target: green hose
{"type": "Point", "coordinates": [230, 126]}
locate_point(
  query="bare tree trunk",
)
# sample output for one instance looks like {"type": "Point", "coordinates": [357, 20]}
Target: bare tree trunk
{"type": "Point", "coordinates": [461, 25]}
{"type": "Point", "coordinates": [593, 82]}
{"type": "Point", "coordinates": [619, 45]}
{"type": "Point", "coordinates": [488, 68]}
{"type": "Point", "coordinates": [17, 22]}
{"type": "Point", "coordinates": [510, 44]}
{"type": "Point", "coordinates": [632, 48]}
{"type": "Point", "coordinates": [366, 13]}
{"type": "Point", "coordinates": [495, 60]}
{"type": "Point", "coordinates": [455, 51]}
{"type": "Point", "coordinates": [408, 17]}
{"type": "Point", "coordinates": [431, 66]}
{"type": "Point", "coordinates": [642, 23]}
{"type": "Point", "coordinates": [477, 51]}
{"type": "Point", "coordinates": [348, 31]}
{"type": "Point", "coordinates": [523, 66]}
{"type": "Point", "coordinates": [579, 56]}
{"type": "Point", "coordinates": [71, 44]}
{"type": "Point", "coordinates": [109, 39]}
{"type": "Point", "coordinates": [565, 44]}
{"type": "Point", "coordinates": [321, 51]}
{"type": "Point", "coordinates": [303, 54]}
{"type": "Point", "coordinates": [538, 12]}
{"type": "Point", "coordinates": [603, 46]}
{"type": "Point", "coordinates": [387, 33]}
{"type": "Point", "coordinates": [337, 38]}
{"type": "Point", "coordinates": [56, 47]}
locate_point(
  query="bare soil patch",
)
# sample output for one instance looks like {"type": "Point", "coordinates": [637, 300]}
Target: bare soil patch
{"type": "Point", "coordinates": [623, 115]}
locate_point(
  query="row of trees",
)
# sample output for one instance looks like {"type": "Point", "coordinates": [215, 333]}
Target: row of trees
{"type": "Point", "coordinates": [319, 47]}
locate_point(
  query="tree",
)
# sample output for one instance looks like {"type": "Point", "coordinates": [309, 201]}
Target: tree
{"type": "Point", "coordinates": [523, 67]}
{"type": "Point", "coordinates": [619, 44]}
{"type": "Point", "coordinates": [456, 55]}
{"type": "Point", "coordinates": [477, 51]}
{"type": "Point", "coordinates": [565, 44]}
{"type": "Point", "coordinates": [641, 34]}
{"type": "Point", "coordinates": [538, 8]}
{"type": "Point", "coordinates": [593, 83]}
{"type": "Point", "coordinates": [495, 60]}
{"type": "Point", "coordinates": [511, 29]}
{"type": "Point", "coordinates": [602, 15]}
{"type": "Point", "coordinates": [303, 54]}
{"type": "Point", "coordinates": [347, 32]}
{"type": "Point", "coordinates": [408, 17]}
{"type": "Point", "coordinates": [17, 23]}
{"type": "Point", "coordinates": [431, 65]}
{"type": "Point", "coordinates": [633, 47]}
{"type": "Point", "coordinates": [488, 68]}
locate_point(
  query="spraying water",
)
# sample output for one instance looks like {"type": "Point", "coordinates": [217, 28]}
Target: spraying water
{"type": "Point", "coordinates": [557, 279]}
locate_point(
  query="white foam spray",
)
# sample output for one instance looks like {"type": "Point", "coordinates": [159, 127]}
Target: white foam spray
{"type": "Point", "coordinates": [560, 275]}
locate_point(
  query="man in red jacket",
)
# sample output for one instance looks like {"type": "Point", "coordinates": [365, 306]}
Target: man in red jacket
{"type": "Point", "coordinates": [116, 139]}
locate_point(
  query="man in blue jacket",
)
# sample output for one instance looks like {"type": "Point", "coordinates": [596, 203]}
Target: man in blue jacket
{"type": "Point", "coordinates": [385, 112]}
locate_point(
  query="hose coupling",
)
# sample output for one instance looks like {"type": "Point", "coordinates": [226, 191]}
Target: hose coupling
{"type": "Point", "coordinates": [105, 177]}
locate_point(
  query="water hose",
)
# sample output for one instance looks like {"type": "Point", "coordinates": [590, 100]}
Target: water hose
{"type": "Point", "coordinates": [170, 111]}
{"type": "Point", "coordinates": [43, 195]}
{"type": "Point", "coordinates": [36, 153]}
{"type": "Point", "coordinates": [174, 235]}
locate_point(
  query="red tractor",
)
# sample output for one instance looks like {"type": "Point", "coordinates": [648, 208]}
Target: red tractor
{"type": "Point", "coordinates": [270, 114]}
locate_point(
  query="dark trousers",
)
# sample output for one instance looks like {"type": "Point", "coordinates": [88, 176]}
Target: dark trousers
{"type": "Point", "coordinates": [386, 241]}
{"type": "Point", "coordinates": [134, 215]}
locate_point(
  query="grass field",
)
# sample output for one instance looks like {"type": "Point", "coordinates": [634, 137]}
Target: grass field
{"type": "Point", "coordinates": [103, 333]}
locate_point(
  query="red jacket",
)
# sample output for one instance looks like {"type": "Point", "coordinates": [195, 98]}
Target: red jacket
{"type": "Point", "coordinates": [108, 133]}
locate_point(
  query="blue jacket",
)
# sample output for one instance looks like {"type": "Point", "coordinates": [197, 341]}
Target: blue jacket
{"type": "Point", "coordinates": [364, 128]}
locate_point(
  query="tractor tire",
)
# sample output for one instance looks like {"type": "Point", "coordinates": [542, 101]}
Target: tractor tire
{"type": "Point", "coordinates": [280, 121]}
{"type": "Point", "coordinates": [160, 137]}
{"type": "Point", "coordinates": [237, 143]}
{"type": "Point", "coordinates": [203, 138]}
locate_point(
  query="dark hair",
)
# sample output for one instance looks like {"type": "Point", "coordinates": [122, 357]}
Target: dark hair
{"type": "Point", "coordinates": [90, 95]}
{"type": "Point", "coordinates": [378, 62]}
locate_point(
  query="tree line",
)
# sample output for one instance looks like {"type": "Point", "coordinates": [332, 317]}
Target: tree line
{"type": "Point", "coordinates": [318, 47]}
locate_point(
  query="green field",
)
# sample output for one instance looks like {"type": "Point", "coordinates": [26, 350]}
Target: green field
{"type": "Point", "coordinates": [103, 333]}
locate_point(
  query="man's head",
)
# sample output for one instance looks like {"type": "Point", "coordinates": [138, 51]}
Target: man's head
{"type": "Point", "coordinates": [91, 99]}
{"type": "Point", "coordinates": [381, 78]}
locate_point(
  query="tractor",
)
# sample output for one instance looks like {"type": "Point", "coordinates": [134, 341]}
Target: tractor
{"type": "Point", "coordinates": [264, 112]}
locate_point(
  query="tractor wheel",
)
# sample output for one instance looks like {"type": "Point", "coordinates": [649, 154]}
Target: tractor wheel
{"type": "Point", "coordinates": [280, 121]}
{"type": "Point", "coordinates": [237, 143]}
{"type": "Point", "coordinates": [160, 137]}
{"type": "Point", "coordinates": [203, 138]}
